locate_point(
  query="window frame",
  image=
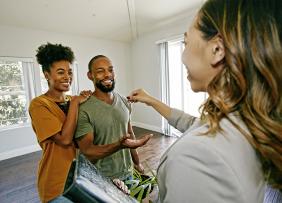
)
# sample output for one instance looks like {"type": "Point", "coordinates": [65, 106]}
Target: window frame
{"type": "Point", "coordinates": [29, 90]}
{"type": "Point", "coordinates": [32, 84]}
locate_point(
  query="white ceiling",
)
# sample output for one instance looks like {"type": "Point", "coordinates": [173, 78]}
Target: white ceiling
{"type": "Point", "coordinates": [122, 20]}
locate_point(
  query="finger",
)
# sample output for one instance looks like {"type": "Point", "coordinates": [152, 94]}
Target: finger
{"type": "Point", "coordinates": [147, 137]}
{"type": "Point", "coordinates": [132, 143]}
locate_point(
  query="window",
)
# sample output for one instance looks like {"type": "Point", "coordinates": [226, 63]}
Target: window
{"type": "Point", "coordinates": [184, 99]}
{"type": "Point", "coordinates": [16, 90]}
{"type": "Point", "coordinates": [19, 83]}
{"type": "Point", "coordinates": [176, 90]}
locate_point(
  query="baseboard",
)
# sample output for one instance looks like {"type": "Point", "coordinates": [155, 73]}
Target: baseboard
{"type": "Point", "coordinates": [147, 126]}
{"type": "Point", "coordinates": [19, 152]}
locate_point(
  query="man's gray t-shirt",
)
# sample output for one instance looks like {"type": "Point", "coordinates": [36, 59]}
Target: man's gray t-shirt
{"type": "Point", "coordinates": [108, 123]}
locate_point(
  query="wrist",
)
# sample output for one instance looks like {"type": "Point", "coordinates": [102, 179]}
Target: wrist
{"type": "Point", "coordinates": [118, 145]}
{"type": "Point", "coordinates": [152, 101]}
{"type": "Point", "coordinates": [74, 100]}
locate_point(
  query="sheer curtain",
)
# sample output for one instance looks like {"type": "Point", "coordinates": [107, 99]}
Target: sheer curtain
{"type": "Point", "coordinates": [176, 89]}
{"type": "Point", "coordinates": [165, 93]}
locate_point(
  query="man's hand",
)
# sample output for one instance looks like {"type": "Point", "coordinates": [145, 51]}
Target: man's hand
{"type": "Point", "coordinates": [120, 184]}
{"type": "Point", "coordinates": [127, 142]}
{"type": "Point", "coordinates": [139, 168]}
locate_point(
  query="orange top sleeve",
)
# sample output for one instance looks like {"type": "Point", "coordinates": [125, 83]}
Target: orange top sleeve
{"type": "Point", "coordinates": [47, 120]}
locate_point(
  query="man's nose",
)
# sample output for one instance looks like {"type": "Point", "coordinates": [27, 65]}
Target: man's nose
{"type": "Point", "coordinates": [108, 74]}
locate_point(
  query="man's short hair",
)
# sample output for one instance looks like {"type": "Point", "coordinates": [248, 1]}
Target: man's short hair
{"type": "Point", "coordinates": [93, 60]}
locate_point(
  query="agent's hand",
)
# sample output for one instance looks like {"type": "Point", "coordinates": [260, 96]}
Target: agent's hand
{"type": "Point", "coordinates": [127, 142]}
{"type": "Point", "coordinates": [120, 184]}
{"type": "Point", "coordinates": [139, 168]}
{"type": "Point", "coordinates": [140, 95]}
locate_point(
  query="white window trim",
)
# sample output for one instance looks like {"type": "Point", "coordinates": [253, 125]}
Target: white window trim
{"type": "Point", "coordinates": [28, 74]}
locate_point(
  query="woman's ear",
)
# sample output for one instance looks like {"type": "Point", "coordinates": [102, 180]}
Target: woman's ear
{"type": "Point", "coordinates": [46, 75]}
{"type": "Point", "coordinates": [217, 51]}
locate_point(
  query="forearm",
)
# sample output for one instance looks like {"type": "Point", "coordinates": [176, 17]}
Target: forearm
{"type": "Point", "coordinates": [135, 157]}
{"type": "Point", "coordinates": [66, 135]}
{"type": "Point", "coordinates": [96, 152]}
{"type": "Point", "coordinates": [160, 107]}
{"type": "Point", "coordinates": [133, 152]}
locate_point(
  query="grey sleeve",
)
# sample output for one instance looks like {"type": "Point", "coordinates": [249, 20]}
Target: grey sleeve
{"type": "Point", "coordinates": [198, 174]}
{"type": "Point", "coordinates": [180, 120]}
{"type": "Point", "coordinates": [126, 103]}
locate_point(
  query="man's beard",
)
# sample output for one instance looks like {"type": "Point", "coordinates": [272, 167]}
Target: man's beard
{"type": "Point", "coordinates": [104, 88]}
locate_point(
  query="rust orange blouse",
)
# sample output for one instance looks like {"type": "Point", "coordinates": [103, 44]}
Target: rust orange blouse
{"type": "Point", "coordinates": [47, 120]}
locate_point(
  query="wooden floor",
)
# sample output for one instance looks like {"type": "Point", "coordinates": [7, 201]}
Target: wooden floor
{"type": "Point", "coordinates": [18, 175]}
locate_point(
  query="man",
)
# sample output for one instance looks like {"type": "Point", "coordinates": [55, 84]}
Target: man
{"type": "Point", "coordinates": [104, 133]}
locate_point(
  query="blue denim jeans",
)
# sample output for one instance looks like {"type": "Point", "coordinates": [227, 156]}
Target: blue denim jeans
{"type": "Point", "coordinates": [60, 199]}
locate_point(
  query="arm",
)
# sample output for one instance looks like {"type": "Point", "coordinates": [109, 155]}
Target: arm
{"type": "Point", "coordinates": [65, 136]}
{"type": "Point", "coordinates": [94, 152]}
{"type": "Point", "coordinates": [176, 118]}
{"type": "Point", "coordinates": [134, 153]}
{"type": "Point", "coordinates": [141, 95]}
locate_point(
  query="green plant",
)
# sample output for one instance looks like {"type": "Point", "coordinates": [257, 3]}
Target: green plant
{"type": "Point", "coordinates": [141, 185]}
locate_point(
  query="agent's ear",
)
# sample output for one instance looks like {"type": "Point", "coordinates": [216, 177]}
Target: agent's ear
{"type": "Point", "coordinates": [217, 51]}
{"type": "Point", "coordinates": [90, 76]}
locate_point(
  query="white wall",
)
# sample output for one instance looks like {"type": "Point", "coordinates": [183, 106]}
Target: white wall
{"type": "Point", "coordinates": [137, 66]}
{"type": "Point", "coordinates": [24, 42]}
{"type": "Point", "coordinates": [146, 71]}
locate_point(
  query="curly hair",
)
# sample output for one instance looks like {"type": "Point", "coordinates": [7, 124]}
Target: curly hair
{"type": "Point", "coordinates": [49, 53]}
{"type": "Point", "coordinates": [251, 80]}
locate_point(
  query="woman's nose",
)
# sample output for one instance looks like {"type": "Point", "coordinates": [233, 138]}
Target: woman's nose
{"type": "Point", "coordinates": [67, 76]}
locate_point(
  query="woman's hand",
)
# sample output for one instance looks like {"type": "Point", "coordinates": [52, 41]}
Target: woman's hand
{"type": "Point", "coordinates": [140, 95]}
{"type": "Point", "coordinates": [86, 93]}
{"type": "Point", "coordinates": [83, 96]}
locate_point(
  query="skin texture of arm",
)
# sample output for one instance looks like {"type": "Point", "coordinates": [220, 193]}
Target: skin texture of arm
{"type": "Point", "coordinates": [134, 154]}
{"type": "Point", "coordinates": [65, 137]}
{"type": "Point", "coordinates": [95, 152]}
{"type": "Point", "coordinates": [142, 96]}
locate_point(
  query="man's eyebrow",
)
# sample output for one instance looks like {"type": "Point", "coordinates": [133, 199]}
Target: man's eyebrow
{"type": "Point", "coordinates": [59, 69]}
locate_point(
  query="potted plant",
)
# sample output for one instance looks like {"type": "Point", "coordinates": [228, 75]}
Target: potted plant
{"type": "Point", "coordinates": [141, 185]}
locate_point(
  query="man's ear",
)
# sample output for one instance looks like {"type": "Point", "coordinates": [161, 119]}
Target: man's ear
{"type": "Point", "coordinates": [89, 75]}
{"type": "Point", "coordinates": [217, 51]}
